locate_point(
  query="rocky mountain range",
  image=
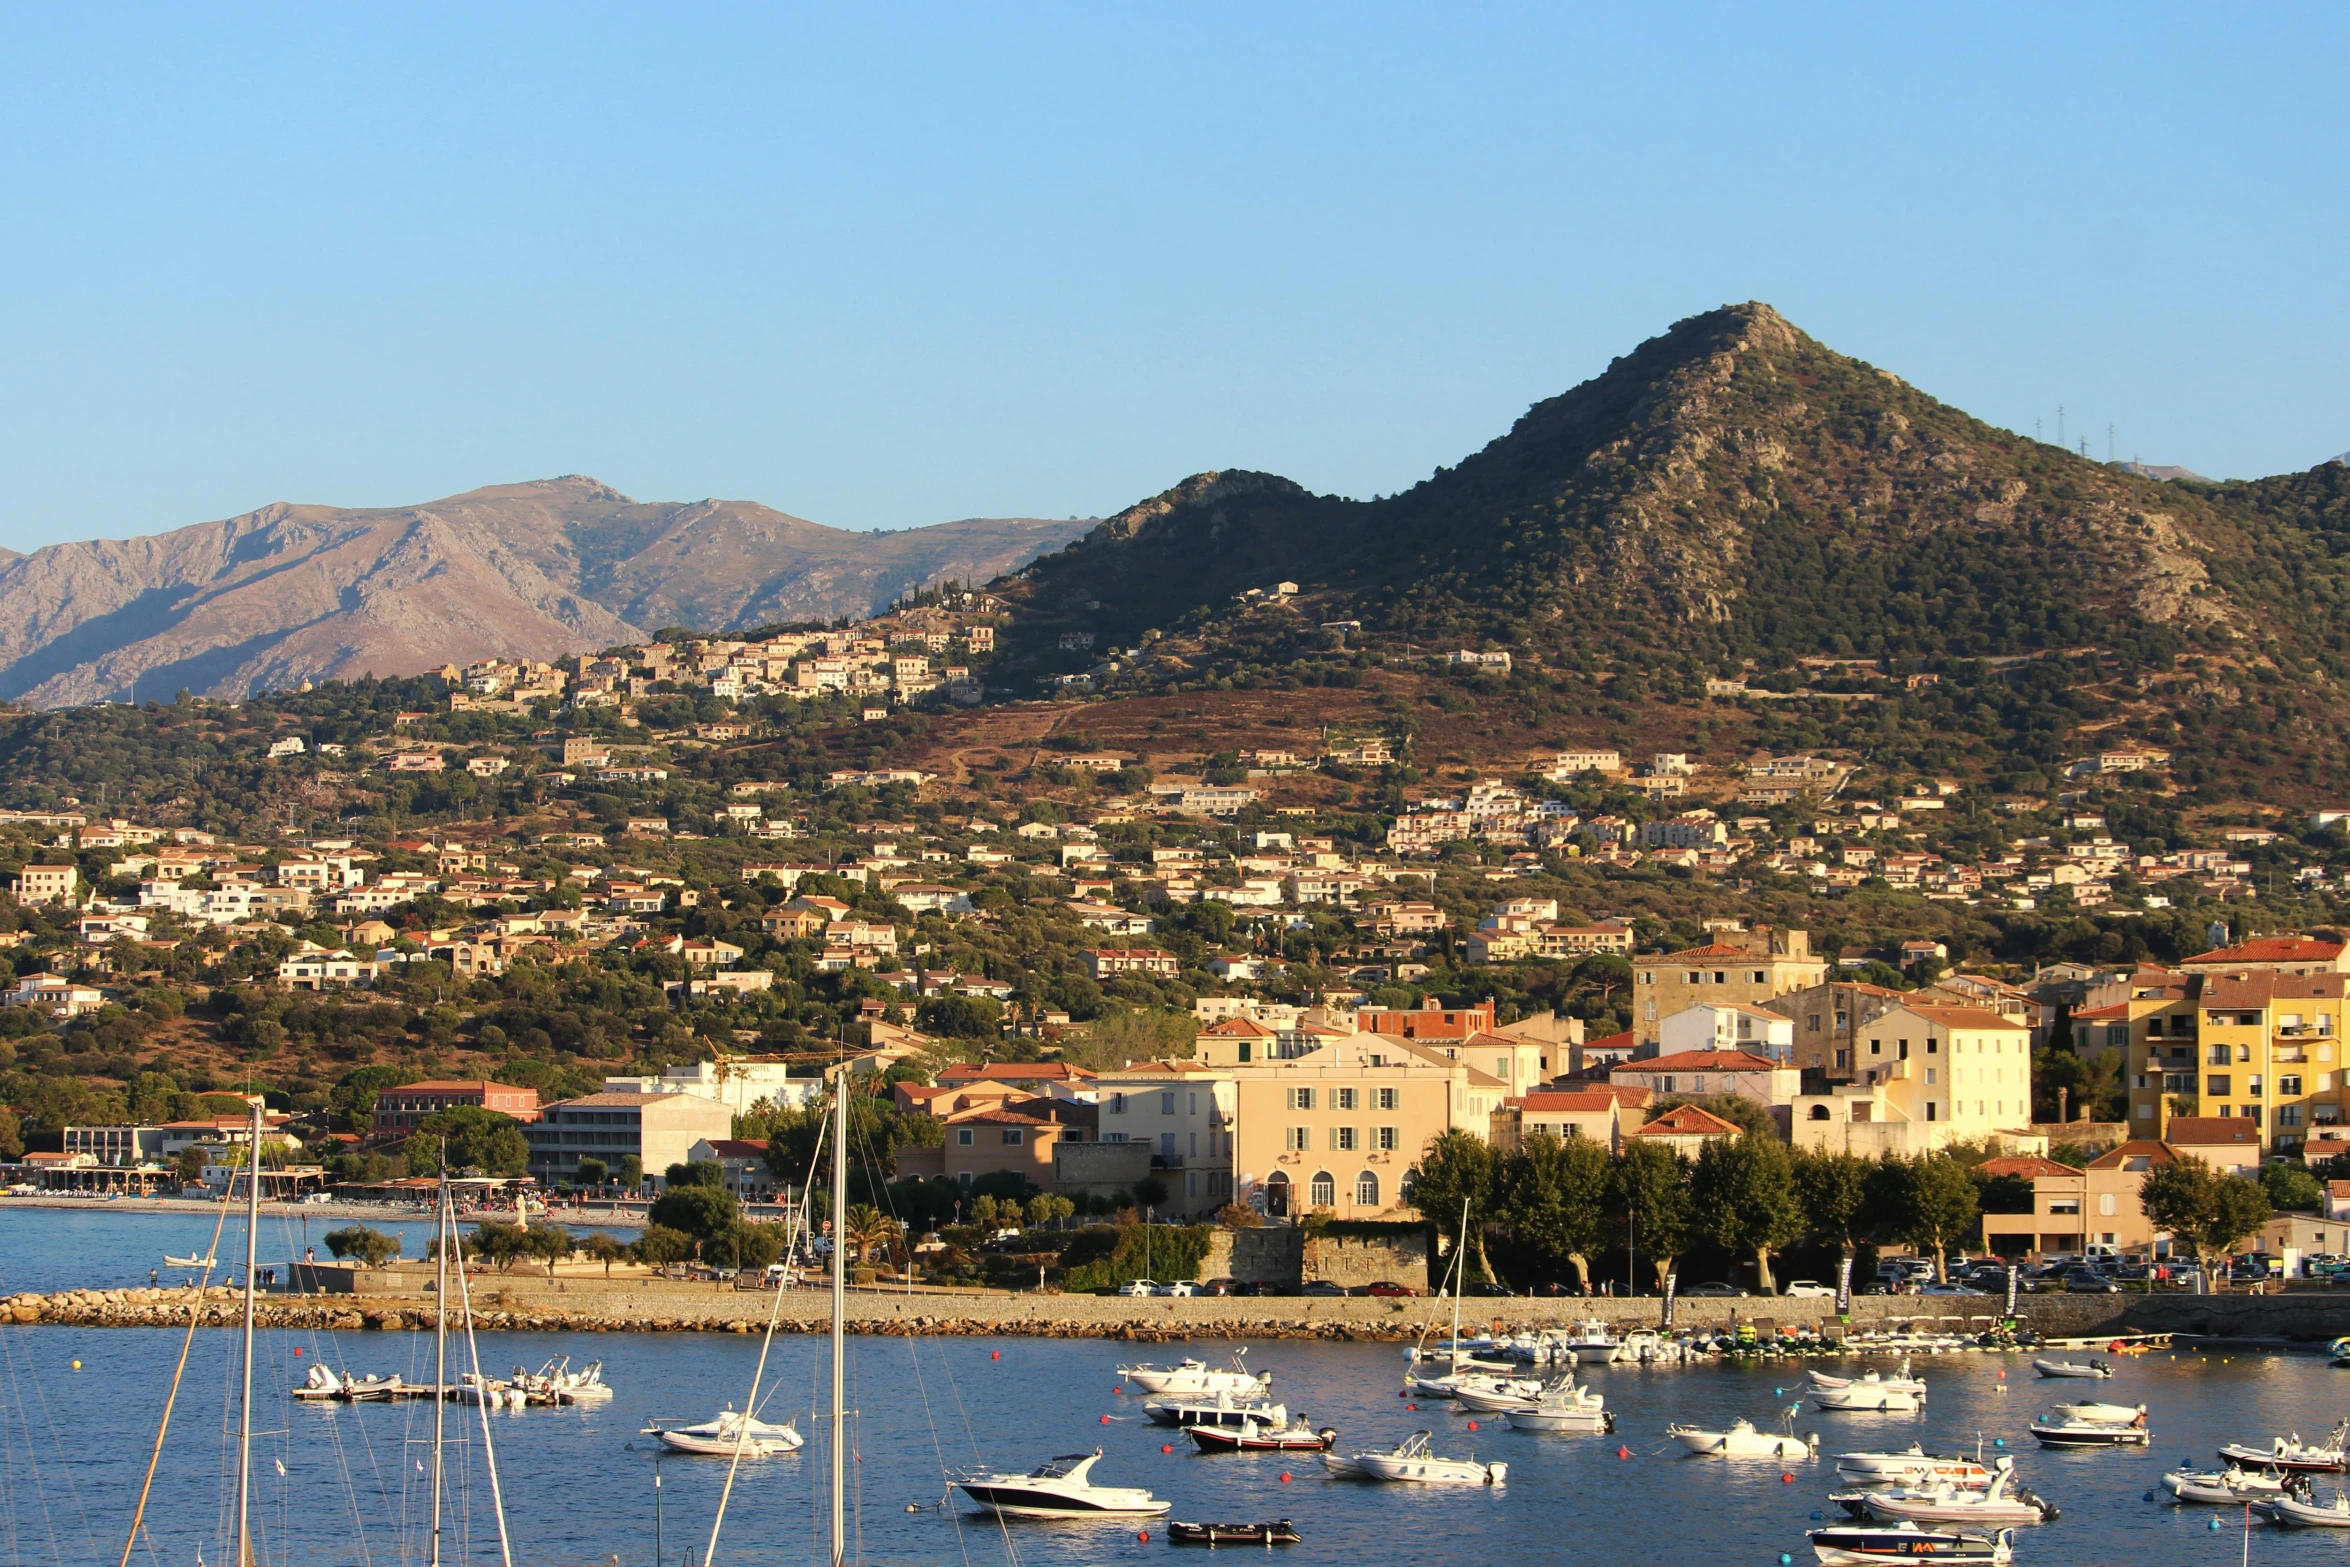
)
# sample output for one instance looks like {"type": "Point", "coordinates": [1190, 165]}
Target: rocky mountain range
{"type": "Point", "coordinates": [293, 592]}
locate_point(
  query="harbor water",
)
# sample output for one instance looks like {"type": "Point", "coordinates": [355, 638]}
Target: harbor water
{"type": "Point", "coordinates": [339, 1484]}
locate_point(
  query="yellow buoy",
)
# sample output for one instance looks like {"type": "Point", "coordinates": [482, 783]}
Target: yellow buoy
{"type": "Point", "coordinates": [77, 1365]}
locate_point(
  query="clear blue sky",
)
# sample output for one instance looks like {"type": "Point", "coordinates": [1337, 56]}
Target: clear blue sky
{"type": "Point", "coordinates": [889, 267]}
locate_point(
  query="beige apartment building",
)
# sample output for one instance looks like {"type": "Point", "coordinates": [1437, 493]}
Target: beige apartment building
{"type": "Point", "coordinates": [1826, 1015]}
{"type": "Point", "coordinates": [1338, 1128]}
{"type": "Point", "coordinates": [657, 1130]}
{"type": "Point", "coordinates": [2074, 1209]}
{"type": "Point", "coordinates": [1753, 966]}
{"type": "Point", "coordinates": [1927, 1076]}
{"type": "Point", "coordinates": [1185, 1113]}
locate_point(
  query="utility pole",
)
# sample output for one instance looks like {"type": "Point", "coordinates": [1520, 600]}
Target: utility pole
{"type": "Point", "coordinates": [2109, 443]}
{"type": "Point", "coordinates": [2060, 424]}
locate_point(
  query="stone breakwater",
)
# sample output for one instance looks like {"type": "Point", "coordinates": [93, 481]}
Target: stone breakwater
{"type": "Point", "coordinates": [578, 1305]}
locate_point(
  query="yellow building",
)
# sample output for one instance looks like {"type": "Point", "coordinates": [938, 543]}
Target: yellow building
{"type": "Point", "coordinates": [2266, 1051]}
{"type": "Point", "coordinates": [1927, 1076]}
{"type": "Point", "coordinates": [1338, 1128]}
{"type": "Point", "coordinates": [1752, 966]}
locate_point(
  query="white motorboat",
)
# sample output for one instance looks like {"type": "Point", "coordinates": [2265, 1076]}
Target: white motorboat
{"type": "Point", "coordinates": [1857, 1545]}
{"type": "Point", "coordinates": [200, 1263]}
{"type": "Point", "coordinates": [1506, 1385]}
{"type": "Point", "coordinates": [2072, 1368]}
{"type": "Point", "coordinates": [2074, 1425]}
{"type": "Point", "coordinates": [474, 1388]}
{"type": "Point", "coordinates": [1197, 1376]}
{"type": "Point", "coordinates": [2294, 1455]}
{"type": "Point", "coordinates": [2222, 1487]}
{"type": "Point", "coordinates": [1591, 1344]}
{"type": "Point", "coordinates": [1912, 1466]}
{"type": "Point", "coordinates": [1901, 1381]}
{"type": "Point", "coordinates": [1257, 1436]}
{"type": "Point", "coordinates": [2304, 1512]}
{"type": "Point", "coordinates": [1999, 1505]}
{"type": "Point", "coordinates": [556, 1383]}
{"type": "Point", "coordinates": [1742, 1440]}
{"type": "Point", "coordinates": [1867, 1397]}
{"type": "Point", "coordinates": [1223, 1411]}
{"type": "Point", "coordinates": [1562, 1407]}
{"type": "Point", "coordinates": [728, 1435]}
{"type": "Point", "coordinates": [2106, 1414]}
{"type": "Point", "coordinates": [1060, 1488]}
{"type": "Point", "coordinates": [322, 1383]}
{"type": "Point", "coordinates": [1413, 1463]}
{"type": "Point", "coordinates": [1648, 1347]}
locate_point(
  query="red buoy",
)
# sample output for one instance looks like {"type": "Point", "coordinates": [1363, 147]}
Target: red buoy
{"type": "Point", "coordinates": [1166, 1447]}
{"type": "Point", "coordinates": [297, 1354]}
{"type": "Point", "coordinates": [1472, 1425]}
{"type": "Point", "coordinates": [1623, 1452]}
{"type": "Point", "coordinates": [1144, 1535]}
{"type": "Point", "coordinates": [1284, 1477]}
{"type": "Point", "coordinates": [1105, 1420]}
{"type": "Point", "coordinates": [1786, 1479]}
{"type": "Point", "coordinates": [995, 1354]}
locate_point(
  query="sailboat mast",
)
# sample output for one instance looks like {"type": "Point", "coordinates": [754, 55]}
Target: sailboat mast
{"type": "Point", "coordinates": [1459, 1255]}
{"type": "Point", "coordinates": [245, 1405]}
{"type": "Point", "coordinates": [440, 1347]}
{"type": "Point", "coordinates": [840, 1304]}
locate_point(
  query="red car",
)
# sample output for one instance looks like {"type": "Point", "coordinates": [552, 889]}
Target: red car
{"type": "Point", "coordinates": [1387, 1288]}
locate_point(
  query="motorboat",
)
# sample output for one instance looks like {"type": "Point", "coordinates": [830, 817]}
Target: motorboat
{"type": "Point", "coordinates": [1505, 1384]}
{"type": "Point", "coordinates": [556, 1383]}
{"type": "Point", "coordinates": [1562, 1407]}
{"type": "Point", "coordinates": [2000, 1504]}
{"type": "Point", "coordinates": [1913, 1466]}
{"type": "Point", "coordinates": [2294, 1455]}
{"type": "Point", "coordinates": [1591, 1344]}
{"type": "Point", "coordinates": [1901, 1381]}
{"type": "Point", "coordinates": [2338, 1352]}
{"type": "Point", "coordinates": [2106, 1414]}
{"type": "Point", "coordinates": [2072, 1368]}
{"type": "Point", "coordinates": [1851, 1545]}
{"type": "Point", "coordinates": [729, 1434]}
{"type": "Point", "coordinates": [474, 1388]}
{"type": "Point", "coordinates": [2222, 1487]}
{"type": "Point", "coordinates": [2299, 1510]}
{"type": "Point", "coordinates": [1648, 1347]}
{"type": "Point", "coordinates": [1743, 1440]}
{"type": "Point", "coordinates": [1867, 1397]}
{"type": "Point", "coordinates": [2068, 1426]}
{"type": "Point", "coordinates": [1279, 1532]}
{"type": "Point", "coordinates": [1197, 1376]}
{"type": "Point", "coordinates": [1222, 1410]}
{"type": "Point", "coordinates": [1263, 1436]}
{"type": "Point", "coordinates": [1412, 1462]}
{"type": "Point", "coordinates": [322, 1383]}
{"type": "Point", "coordinates": [203, 1263]}
{"type": "Point", "coordinates": [1060, 1488]}
{"type": "Point", "coordinates": [1481, 1397]}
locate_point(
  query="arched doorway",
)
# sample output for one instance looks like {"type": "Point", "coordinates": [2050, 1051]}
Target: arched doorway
{"type": "Point", "coordinates": [1276, 1196]}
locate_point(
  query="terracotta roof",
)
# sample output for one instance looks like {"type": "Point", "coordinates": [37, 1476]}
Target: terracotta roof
{"type": "Point", "coordinates": [1705, 1061]}
{"type": "Point", "coordinates": [2338, 1189]}
{"type": "Point", "coordinates": [1037, 1071]}
{"type": "Point", "coordinates": [1963, 1017]}
{"type": "Point", "coordinates": [2136, 1148]}
{"type": "Point", "coordinates": [1556, 1099]}
{"type": "Point", "coordinates": [2269, 949]}
{"type": "Point", "coordinates": [1714, 950]}
{"type": "Point", "coordinates": [2203, 1131]}
{"type": "Point", "coordinates": [739, 1147]}
{"type": "Point", "coordinates": [2120, 1009]}
{"type": "Point", "coordinates": [455, 1085]}
{"type": "Point", "coordinates": [1688, 1121]}
{"type": "Point", "coordinates": [2030, 1166]}
{"type": "Point", "coordinates": [1626, 1040]}
{"type": "Point", "coordinates": [1238, 1028]}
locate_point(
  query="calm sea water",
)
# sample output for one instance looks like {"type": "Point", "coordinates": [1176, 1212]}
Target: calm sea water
{"type": "Point", "coordinates": [348, 1485]}
{"type": "Point", "coordinates": [104, 1246]}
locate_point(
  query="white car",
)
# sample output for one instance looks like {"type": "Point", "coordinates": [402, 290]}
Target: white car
{"type": "Point", "coordinates": [1179, 1287]}
{"type": "Point", "coordinates": [1137, 1287]}
{"type": "Point", "coordinates": [1809, 1289]}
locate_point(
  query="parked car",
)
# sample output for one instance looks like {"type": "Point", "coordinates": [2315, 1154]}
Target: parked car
{"type": "Point", "coordinates": [1714, 1292]}
{"type": "Point", "coordinates": [1220, 1287]}
{"type": "Point", "coordinates": [1948, 1289]}
{"type": "Point", "coordinates": [1137, 1287]}
{"type": "Point", "coordinates": [1322, 1287]}
{"type": "Point", "coordinates": [2088, 1281]}
{"type": "Point", "coordinates": [1388, 1288]}
{"type": "Point", "coordinates": [1810, 1289]}
{"type": "Point", "coordinates": [1489, 1287]}
{"type": "Point", "coordinates": [1179, 1287]}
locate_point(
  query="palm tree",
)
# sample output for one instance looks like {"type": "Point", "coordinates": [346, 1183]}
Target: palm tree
{"type": "Point", "coordinates": [871, 1232]}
